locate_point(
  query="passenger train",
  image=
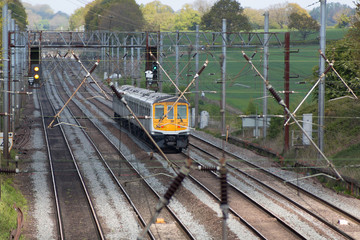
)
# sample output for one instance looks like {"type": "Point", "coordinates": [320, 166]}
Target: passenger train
{"type": "Point", "coordinates": [165, 118]}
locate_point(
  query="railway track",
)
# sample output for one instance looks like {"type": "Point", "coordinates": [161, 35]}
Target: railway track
{"type": "Point", "coordinates": [165, 181]}
{"type": "Point", "coordinates": [322, 210]}
{"type": "Point", "coordinates": [126, 172]}
{"type": "Point", "coordinates": [105, 107]}
{"type": "Point", "coordinates": [72, 200]}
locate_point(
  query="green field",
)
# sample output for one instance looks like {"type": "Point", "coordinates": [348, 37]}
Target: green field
{"type": "Point", "coordinates": [242, 84]}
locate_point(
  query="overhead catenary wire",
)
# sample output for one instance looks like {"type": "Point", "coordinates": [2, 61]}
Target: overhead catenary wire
{"type": "Point", "coordinates": [282, 103]}
{"type": "Point", "coordinates": [67, 102]}
{"type": "Point", "coordinates": [330, 66]}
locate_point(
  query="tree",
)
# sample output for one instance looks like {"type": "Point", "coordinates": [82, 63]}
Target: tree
{"type": "Point", "coordinates": [229, 10]}
{"type": "Point", "coordinates": [256, 18]}
{"type": "Point", "coordinates": [187, 18]}
{"type": "Point", "coordinates": [333, 10]}
{"type": "Point", "coordinates": [77, 19]}
{"type": "Point", "coordinates": [158, 16]}
{"type": "Point", "coordinates": [18, 13]}
{"type": "Point", "coordinates": [280, 13]}
{"type": "Point", "coordinates": [305, 24]}
{"type": "Point", "coordinates": [346, 62]}
{"type": "Point", "coordinates": [203, 6]}
{"type": "Point", "coordinates": [343, 20]}
{"type": "Point", "coordinates": [120, 15]}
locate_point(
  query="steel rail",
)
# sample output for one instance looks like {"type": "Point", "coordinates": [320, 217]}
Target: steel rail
{"type": "Point", "coordinates": [327, 223]}
{"type": "Point", "coordinates": [181, 224]}
{"type": "Point", "coordinates": [93, 212]}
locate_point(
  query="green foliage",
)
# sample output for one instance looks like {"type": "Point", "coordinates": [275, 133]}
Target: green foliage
{"type": "Point", "coordinates": [279, 14]}
{"type": "Point", "coordinates": [251, 109]}
{"type": "Point", "coordinates": [256, 18]}
{"type": "Point", "coordinates": [18, 13]}
{"type": "Point", "coordinates": [230, 10]}
{"type": "Point", "coordinates": [305, 24]}
{"type": "Point", "coordinates": [345, 53]}
{"type": "Point", "coordinates": [77, 19]}
{"type": "Point", "coordinates": [9, 196]}
{"type": "Point", "coordinates": [158, 16]}
{"type": "Point", "coordinates": [120, 15]}
{"type": "Point", "coordinates": [276, 127]}
{"type": "Point", "coordinates": [332, 9]}
{"type": "Point", "coordinates": [343, 21]}
{"type": "Point", "coordinates": [187, 19]}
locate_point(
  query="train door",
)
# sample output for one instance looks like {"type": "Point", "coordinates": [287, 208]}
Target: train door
{"type": "Point", "coordinates": [171, 118]}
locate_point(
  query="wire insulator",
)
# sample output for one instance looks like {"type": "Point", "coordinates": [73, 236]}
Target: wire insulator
{"type": "Point", "coordinates": [176, 183]}
{"type": "Point", "coordinates": [95, 65]}
{"type": "Point", "coordinates": [223, 185]}
{"type": "Point", "coordinates": [246, 57]}
{"type": "Point", "coordinates": [77, 59]}
{"type": "Point", "coordinates": [7, 171]}
{"type": "Point", "coordinates": [205, 169]}
{"type": "Point", "coordinates": [203, 67]}
{"type": "Point", "coordinates": [275, 95]}
{"type": "Point", "coordinates": [327, 69]}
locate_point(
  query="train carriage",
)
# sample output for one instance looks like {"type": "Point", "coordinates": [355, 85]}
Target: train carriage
{"type": "Point", "coordinates": [166, 121]}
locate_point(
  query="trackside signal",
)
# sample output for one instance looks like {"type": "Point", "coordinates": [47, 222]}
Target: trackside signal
{"type": "Point", "coordinates": [155, 70]}
{"type": "Point", "coordinates": [35, 72]}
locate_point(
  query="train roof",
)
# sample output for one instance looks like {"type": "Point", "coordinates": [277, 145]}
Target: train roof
{"type": "Point", "coordinates": [147, 95]}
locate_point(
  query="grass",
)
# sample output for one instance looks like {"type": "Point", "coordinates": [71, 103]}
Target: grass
{"type": "Point", "coordinates": [9, 196]}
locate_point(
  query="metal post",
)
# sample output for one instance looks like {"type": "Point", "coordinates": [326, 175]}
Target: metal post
{"type": "Point", "coordinates": [223, 79]}
{"type": "Point", "coordinates": [177, 62]}
{"type": "Point", "coordinates": [321, 100]}
{"type": "Point", "coordinates": [197, 80]}
{"type": "Point", "coordinates": [138, 61]}
{"type": "Point", "coordinates": [18, 63]}
{"type": "Point", "coordinates": [286, 88]}
{"type": "Point", "coordinates": [266, 70]}
{"type": "Point", "coordinates": [118, 59]}
{"type": "Point", "coordinates": [6, 81]}
{"type": "Point", "coordinates": [160, 55]}
{"type": "Point", "coordinates": [132, 62]}
{"type": "Point", "coordinates": [12, 74]}
{"type": "Point", "coordinates": [124, 58]}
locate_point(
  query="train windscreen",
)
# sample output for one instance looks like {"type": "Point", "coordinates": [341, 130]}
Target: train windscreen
{"type": "Point", "coordinates": [159, 111]}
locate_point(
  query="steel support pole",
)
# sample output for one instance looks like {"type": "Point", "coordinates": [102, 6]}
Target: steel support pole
{"type": "Point", "coordinates": [139, 74]}
{"type": "Point", "coordinates": [177, 63]}
{"type": "Point", "coordinates": [223, 80]}
{"type": "Point", "coordinates": [125, 59]}
{"type": "Point", "coordinates": [197, 80]}
{"type": "Point", "coordinates": [6, 119]}
{"type": "Point", "coordinates": [132, 62]}
{"type": "Point", "coordinates": [160, 55]}
{"type": "Point", "coordinates": [12, 74]}
{"type": "Point", "coordinates": [286, 88]}
{"type": "Point", "coordinates": [266, 71]}
{"type": "Point", "coordinates": [321, 101]}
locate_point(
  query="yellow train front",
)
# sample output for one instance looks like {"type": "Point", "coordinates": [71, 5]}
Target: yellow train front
{"type": "Point", "coordinates": [166, 121]}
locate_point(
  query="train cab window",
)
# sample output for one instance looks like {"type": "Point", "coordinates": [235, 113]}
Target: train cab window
{"type": "Point", "coordinates": [159, 111]}
{"type": "Point", "coordinates": [170, 114]}
{"type": "Point", "coordinates": [181, 112]}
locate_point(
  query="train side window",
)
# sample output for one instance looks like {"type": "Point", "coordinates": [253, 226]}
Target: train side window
{"type": "Point", "coordinates": [170, 114]}
{"type": "Point", "coordinates": [181, 111]}
{"type": "Point", "coordinates": [159, 111]}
